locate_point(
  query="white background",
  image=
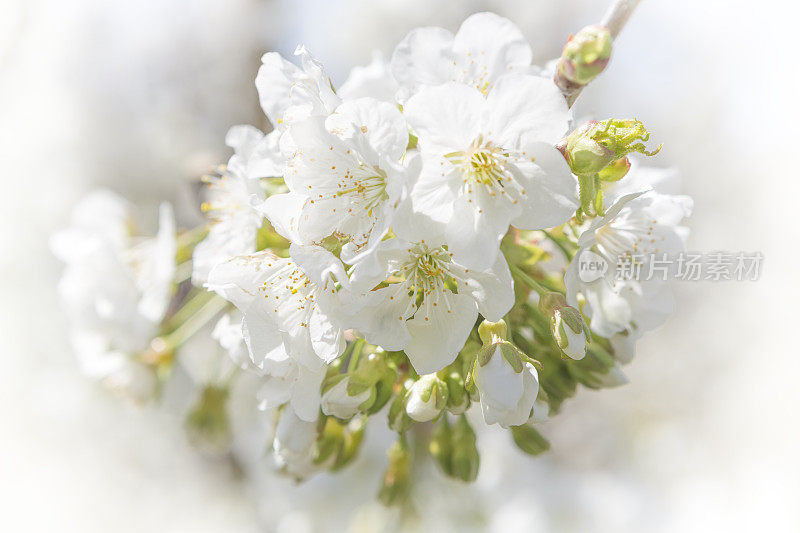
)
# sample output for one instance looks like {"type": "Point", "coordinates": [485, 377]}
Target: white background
{"type": "Point", "coordinates": [137, 96]}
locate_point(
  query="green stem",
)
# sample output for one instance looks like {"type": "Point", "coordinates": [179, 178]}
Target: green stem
{"type": "Point", "coordinates": [196, 299]}
{"type": "Point", "coordinates": [355, 355]}
{"type": "Point", "coordinates": [539, 287]}
{"type": "Point", "coordinates": [569, 255]}
{"type": "Point", "coordinates": [193, 324]}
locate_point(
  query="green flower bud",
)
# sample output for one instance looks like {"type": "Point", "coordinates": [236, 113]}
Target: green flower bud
{"type": "Point", "coordinates": [595, 145]}
{"type": "Point", "coordinates": [585, 55]}
{"type": "Point", "coordinates": [330, 440]}
{"type": "Point", "coordinates": [491, 332]}
{"type": "Point", "coordinates": [353, 436]}
{"type": "Point", "coordinates": [441, 445]}
{"type": "Point", "coordinates": [465, 460]}
{"type": "Point", "coordinates": [566, 325]}
{"type": "Point", "coordinates": [207, 422]}
{"type": "Point", "coordinates": [399, 420]}
{"type": "Point", "coordinates": [396, 481]}
{"type": "Point", "coordinates": [426, 398]}
{"type": "Point", "coordinates": [457, 397]}
{"type": "Point", "coordinates": [529, 440]}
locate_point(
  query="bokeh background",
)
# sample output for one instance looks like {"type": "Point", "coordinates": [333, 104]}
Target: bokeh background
{"type": "Point", "coordinates": [137, 96]}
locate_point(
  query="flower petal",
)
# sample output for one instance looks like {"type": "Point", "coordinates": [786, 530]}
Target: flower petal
{"type": "Point", "coordinates": [439, 332]}
{"type": "Point", "coordinates": [522, 109]}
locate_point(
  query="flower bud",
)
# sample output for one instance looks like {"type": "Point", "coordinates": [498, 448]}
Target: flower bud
{"type": "Point", "coordinates": [507, 386]}
{"type": "Point", "coordinates": [464, 460]}
{"type": "Point", "coordinates": [427, 398]}
{"type": "Point", "coordinates": [595, 145]}
{"type": "Point", "coordinates": [566, 325]}
{"type": "Point", "coordinates": [353, 437]}
{"type": "Point", "coordinates": [399, 420]}
{"type": "Point", "coordinates": [457, 396]}
{"type": "Point", "coordinates": [207, 423]}
{"type": "Point", "coordinates": [293, 445]}
{"type": "Point", "coordinates": [441, 444]}
{"type": "Point", "coordinates": [337, 400]}
{"type": "Point", "coordinates": [529, 440]}
{"type": "Point", "coordinates": [395, 486]}
{"type": "Point", "coordinates": [585, 55]}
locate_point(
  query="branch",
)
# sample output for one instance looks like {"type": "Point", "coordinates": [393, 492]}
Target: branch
{"type": "Point", "coordinates": [586, 54]}
{"type": "Point", "coordinates": [617, 15]}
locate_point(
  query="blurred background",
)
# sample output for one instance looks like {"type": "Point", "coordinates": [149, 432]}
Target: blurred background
{"type": "Point", "coordinates": [137, 97]}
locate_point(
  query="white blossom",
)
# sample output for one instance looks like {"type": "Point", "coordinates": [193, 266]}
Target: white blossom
{"type": "Point", "coordinates": [637, 229]}
{"type": "Point", "coordinates": [374, 80]}
{"type": "Point", "coordinates": [490, 162]}
{"type": "Point", "coordinates": [115, 289]}
{"type": "Point", "coordinates": [485, 48]}
{"type": "Point", "coordinates": [230, 197]}
{"type": "Point", "coordinates": [431, 301]}
{"type": "Point", "coordinates": [287, 305]}
{"type": "Point", "coordinates": [289, 93]}
{"type": "Point", "coordinates": [507, 397]}
{"type": "Point", "coordinates": [345, 174]}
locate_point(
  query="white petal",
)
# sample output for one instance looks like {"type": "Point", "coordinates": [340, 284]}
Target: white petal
{"type": "Point", "coordinates": [380, 123]}
{"type": "Point", "coordinates": [445, 118]}
{"type": "Point", "coordinates": [274, 82]}
{"type": "Point", "coordinates": [550, 188]}
{"type": "Point", "coordinates": [283, 212]}
{"type": "Point", "coordinates": [522, 109]}
{"type": "Point", "coordinates": [374, 80]}
{"type": "Point", "coordinates": [493, 289]}
{"type": "Point", "coordinates": [488, 46]}
{"type": "Point", "coordinates": [306, 393]}
{"type": "Point", "coordinates": [423, 57]}
{"type": "Point", "coordinates": [438, 335]}
{"type": "Point", "coordinates": [264, 340]}
{"type": "Point", "coordinates": [318, 264]}
{"type": "Point", "coordinates": [477, 226]}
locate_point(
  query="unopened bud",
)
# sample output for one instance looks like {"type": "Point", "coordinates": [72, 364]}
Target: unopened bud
{"type": "Point", "coordinates": [457, 397]}
{"type": "Point", "coordinates": [399, 420]}
{"type": "Point", "coordinates": [441, 444]}
{"type": "Point", "coordinates": [351, 443]}
{"type": "Point", "coordinates": [337, 400]}
{"type": "Point", "coordinates": [585, 55]}
{"type": "Point", "coordinates": [207, 423]}
{"type": "Point", "coordinates": [566, 325]}
{"type": "Point", "coordinates": [529, 440]}
{"type": "Point", "coordinates": [427, 398]}
{"type": "Point", "coordinates": [465, 460]}
{"type": "Point", "coordinates": [395, 486]}
{"type": "Point", "coordinates": [595, 145]}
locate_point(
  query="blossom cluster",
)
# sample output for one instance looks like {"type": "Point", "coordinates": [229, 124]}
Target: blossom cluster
{"type": "Point", "coordinates": [403, 244]}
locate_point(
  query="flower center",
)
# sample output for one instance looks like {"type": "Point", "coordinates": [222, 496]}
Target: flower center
{"type": "Point", "coordinates": [427, 281]}
{"type": "Point", "coordinates": [488, 167]}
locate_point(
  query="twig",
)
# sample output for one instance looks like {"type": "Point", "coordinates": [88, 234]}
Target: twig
{"type": "Point", "coordinates": [614, 21]}
{"type": "Point", "coordinates": [617, 15]}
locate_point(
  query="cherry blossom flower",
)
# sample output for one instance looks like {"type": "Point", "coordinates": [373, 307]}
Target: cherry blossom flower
{"type": "Point", "coordinates": [490, 162]}
{"type": "Point", "coordinates": [345, 172]}
{"type": "Point", "coordinates": [229, 198]}
{"type": "Point", "coordinates": [288, 326]}
{"type": "Point", "coordinates": [639, 228]}
{"type": "Point", "coordinates": [485, 48]}
{"type": "Point", "coordinates": [431, 301]}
